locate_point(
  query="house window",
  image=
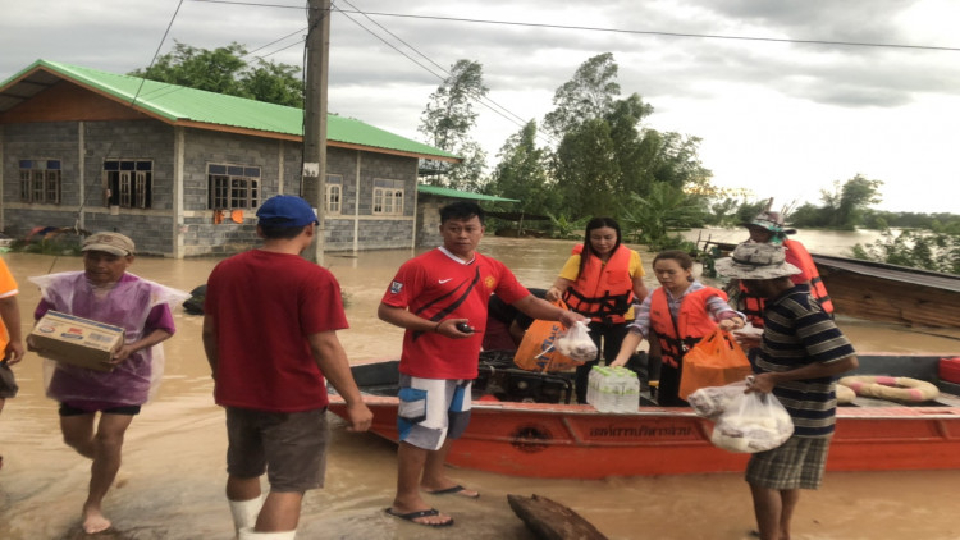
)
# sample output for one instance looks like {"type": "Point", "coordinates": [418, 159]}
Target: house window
{"type": "Point", "coordinates": [233, 187]}
{"type": "Point", "coordinates": [40, 181]}
{"type": "Point", "coordinates": [387, 201]}
{"type": "Point", "coordinates": [334, 193]}
{"type": "Point", "coordinates": [333, 199]}
{"type": "Point", "coordinates": [129, 182]}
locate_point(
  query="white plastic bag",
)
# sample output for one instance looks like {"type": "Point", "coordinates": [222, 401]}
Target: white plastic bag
{"type": "Point", "coordinates": [712, 401]}
{"type": "Point", "coordinates": [754, 423]}
{"type": "Point", "coordinates": [576, 343]}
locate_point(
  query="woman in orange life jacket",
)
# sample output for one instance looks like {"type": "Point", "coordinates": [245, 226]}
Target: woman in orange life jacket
{"type": "Point", "coordinates": [681, 312]}
{"type": "Point", "coordinates": [767, 227]}
{"type": "Point", "coordinates": [600, 281]}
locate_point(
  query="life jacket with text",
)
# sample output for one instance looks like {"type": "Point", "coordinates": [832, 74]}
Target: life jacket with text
{"type": "Point", "coordinates": [752, 306]}
{"type": "Point", "coordinates": [602, 292]}
{"type": "Point", "coordinates": [692, 324]}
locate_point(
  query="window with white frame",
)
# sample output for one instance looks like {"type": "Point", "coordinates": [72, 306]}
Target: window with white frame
{"type": "Point", "coordinates": [129, 182]}
{"type": "Point", "coordinates": [40, 181]}
{"type": "Point", "coordinates": [334, 190]}
{"type": "Point", "coordinates": [233, 187]}
{"type": "Point", "coordinates": [388, 197]}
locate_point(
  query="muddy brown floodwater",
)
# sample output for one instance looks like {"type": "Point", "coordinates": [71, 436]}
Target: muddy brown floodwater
{"type": "Point", "coordinates": [171, 482]}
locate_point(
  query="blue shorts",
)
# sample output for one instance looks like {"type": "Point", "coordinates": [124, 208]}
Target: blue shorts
{"type": "Point", "coordinates": [431, 410]}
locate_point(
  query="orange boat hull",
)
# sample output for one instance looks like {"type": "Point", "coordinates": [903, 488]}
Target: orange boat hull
{"type": "Point", "coordinates": [576, 441]}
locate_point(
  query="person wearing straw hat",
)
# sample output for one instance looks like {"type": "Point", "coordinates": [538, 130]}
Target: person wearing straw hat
{"type": "Point", "coordinates": [10, 340]}
{"type": "Point", "coordinates": [801, 354]}
{"type": "Point", "coordinates": [768, 228]}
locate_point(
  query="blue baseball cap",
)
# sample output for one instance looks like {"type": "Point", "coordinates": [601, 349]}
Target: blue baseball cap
{"type": "Point", "coordinates": [287, 210]}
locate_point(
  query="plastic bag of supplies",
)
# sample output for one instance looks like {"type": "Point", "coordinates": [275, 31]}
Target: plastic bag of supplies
{"type": "Point", "coordinates": [716, 360]}
{"type": "Point", "coordinates": [539, 350]}
{"type": "Point", "coordinates": [752, 423]}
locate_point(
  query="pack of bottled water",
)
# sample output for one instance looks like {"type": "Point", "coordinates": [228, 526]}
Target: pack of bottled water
{"type": "Point", "coordinates": [613, 389]}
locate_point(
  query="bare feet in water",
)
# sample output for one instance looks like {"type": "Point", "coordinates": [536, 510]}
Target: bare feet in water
{"type": "Point", "coordinates": [93, 521]}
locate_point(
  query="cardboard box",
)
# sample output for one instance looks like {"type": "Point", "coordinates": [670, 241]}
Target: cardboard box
{"type": "Point", "coordinates": [77, 341]}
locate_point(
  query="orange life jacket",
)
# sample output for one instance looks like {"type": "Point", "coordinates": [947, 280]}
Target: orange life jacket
{"type": "Point", "coordinates": [752, 306]}
{"type": "Point", "coordinates": [602, 292]}
{"type": "Point", "coordinates": [692, 324]}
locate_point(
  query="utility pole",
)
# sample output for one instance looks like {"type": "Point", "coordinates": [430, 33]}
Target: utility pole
{"type": "Point", "coordinates": [313, 183]}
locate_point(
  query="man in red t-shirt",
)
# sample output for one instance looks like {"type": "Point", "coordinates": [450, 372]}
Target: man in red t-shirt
{"type": "Point", "coordinates": [269, 333]}
{"type": "Point", "coordinates": [441, 298]}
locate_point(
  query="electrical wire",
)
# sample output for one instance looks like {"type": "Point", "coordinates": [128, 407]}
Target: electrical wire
{"type": "Point", "coordinates": [480, 99]}
{"type": "Point", "coordinates": [133, 102]}
{"type": "Point", "coordinates": [616, 30]}
{"type": "Point", "coordinates": [477, 96]}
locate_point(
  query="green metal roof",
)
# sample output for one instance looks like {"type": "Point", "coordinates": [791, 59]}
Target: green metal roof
{"type": "Point", "coordinates": [178, 103]}
{"type": "Point", "coordinates": [450, 192]}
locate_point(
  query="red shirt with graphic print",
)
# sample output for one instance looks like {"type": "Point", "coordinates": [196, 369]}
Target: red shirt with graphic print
{"type": "Point", "coordinates": [438, 286]}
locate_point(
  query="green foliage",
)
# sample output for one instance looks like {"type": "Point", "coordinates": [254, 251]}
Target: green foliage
{"type": "Point", "coordinates": [589, 95]}
{"type": "Point", "coordinates": [938, 252]}
{"type": "Point", "coordinates": [49, 246]}
{"type": "Point", "coordinates": [665, 208]}
{"type": "Point", "coordinates": [447, 121]}
{"type": "Point", "coordinates": [223, 70]}
{"type": "Point", "coordinates": [844, 207]}
{"type": "Point", "coordinates": [564, 227]}
{"type": "Point", "coordinates": [522, 173]}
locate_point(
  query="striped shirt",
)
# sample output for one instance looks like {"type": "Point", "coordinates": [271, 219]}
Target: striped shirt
{"type": "Point", "coordinates": [797, 333]}
{"type": "Point", "coordinates": [717, 308]}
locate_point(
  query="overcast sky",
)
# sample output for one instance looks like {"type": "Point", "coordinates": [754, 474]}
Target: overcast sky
{"type": "Point", "coordinates": [782, 119]}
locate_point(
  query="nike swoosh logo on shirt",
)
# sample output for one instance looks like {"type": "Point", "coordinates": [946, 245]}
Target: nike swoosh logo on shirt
{"type": "Point", "coordinates": [442, 281]}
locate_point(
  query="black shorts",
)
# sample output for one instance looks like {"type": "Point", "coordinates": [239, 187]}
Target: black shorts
{"type": "Point", "coordinates": [128, 410]}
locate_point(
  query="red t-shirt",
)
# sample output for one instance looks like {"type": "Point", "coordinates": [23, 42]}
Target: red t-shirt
{"type": "Point", "coordinates": [264, 306]}
{"type": "Point", "coordinates": [435, 286]}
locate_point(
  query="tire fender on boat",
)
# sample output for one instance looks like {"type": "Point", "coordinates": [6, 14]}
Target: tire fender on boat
{"type": "Point", "coordinates": [891, 388]}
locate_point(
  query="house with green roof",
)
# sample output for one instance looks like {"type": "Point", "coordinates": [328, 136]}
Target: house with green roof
{"type": "Point", "coordinates": [182, 171]}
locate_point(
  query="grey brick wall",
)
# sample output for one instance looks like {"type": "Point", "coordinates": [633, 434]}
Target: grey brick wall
{"type": "Point", "coordinates": [56, 140]}
{"type": "Point", "coordinates": [154, 140]}
{"type": "Point", "coordinates": [428, 220]}
{"type": "Point", "coordinates": [139, 139]}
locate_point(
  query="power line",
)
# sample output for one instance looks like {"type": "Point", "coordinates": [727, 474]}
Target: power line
{"type": "Point", "coordinates": [478, 96]}
{"type": "Point", "coordinates": [157, 53]}
{"type": "Point", "coordinates": [616, 30]}
{"type": "Point", "coordinates": [480, 99]}
{"type": "Point", "coordinates": [278, 40]}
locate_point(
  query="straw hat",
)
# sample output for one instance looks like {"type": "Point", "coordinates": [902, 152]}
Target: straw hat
{"type": "Point", "coordinates": [752, 260]}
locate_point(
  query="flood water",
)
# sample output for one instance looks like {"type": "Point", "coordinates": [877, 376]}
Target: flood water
{"type": "Point", "coordinates": [171, 482]}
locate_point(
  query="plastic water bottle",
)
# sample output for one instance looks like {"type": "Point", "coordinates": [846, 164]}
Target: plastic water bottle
{"type": "Point", "coordinates": [631, 394]}
{"type": "Point", "coordinates": [606, 401]}
{"type": "Point", "coordinates": [593, 385]}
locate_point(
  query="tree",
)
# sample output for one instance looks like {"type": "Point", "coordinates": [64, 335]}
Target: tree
{"type": "Point", "coordinates": [522, 173]}
{"type": "Point", "coordinates": [848, 200]}
{"type": "Point", "coordinates": [589, 95]}
{"type": "Point", "coordinates": [224, 71]}
{"type": "Point", "coordinates": [447, 120]}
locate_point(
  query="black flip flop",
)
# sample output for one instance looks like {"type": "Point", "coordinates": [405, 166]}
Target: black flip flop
{"type": "Point", "coordinates": [455, 490]}
{"type": "Point", "coordinates": [411, 516]}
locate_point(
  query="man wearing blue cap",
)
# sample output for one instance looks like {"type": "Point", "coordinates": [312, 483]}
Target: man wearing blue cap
{"type": "Point", "coordinates": [269, 333]}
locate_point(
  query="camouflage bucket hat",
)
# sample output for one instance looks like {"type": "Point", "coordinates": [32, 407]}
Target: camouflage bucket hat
{"type": "Point", "coordinates": [757, 261]}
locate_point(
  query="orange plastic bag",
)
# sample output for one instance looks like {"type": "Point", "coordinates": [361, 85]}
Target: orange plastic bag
{"type": "Point", "coordinates": [538, 350]}
{"type": "Point", "coordinates": [717, 360]}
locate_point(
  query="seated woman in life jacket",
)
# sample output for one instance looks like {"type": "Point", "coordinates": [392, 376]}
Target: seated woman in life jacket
{"type": "Point", "coordinates": [506, 324]}
{"type": "Point", "coordinates": [680, 312]}
{"type": "Point", "coordinates": [600, 281]}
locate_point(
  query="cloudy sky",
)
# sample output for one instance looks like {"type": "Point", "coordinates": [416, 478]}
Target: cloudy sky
{"type": "Point", "coordinates": [782, 119]}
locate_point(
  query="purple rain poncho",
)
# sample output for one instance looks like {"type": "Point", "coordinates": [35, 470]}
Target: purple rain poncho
{"type": "Point", "coordinates": [131, 303]}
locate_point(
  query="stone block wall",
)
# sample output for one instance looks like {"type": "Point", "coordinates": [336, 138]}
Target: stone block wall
{"type": "Point", "coordinates": [151, 229]}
